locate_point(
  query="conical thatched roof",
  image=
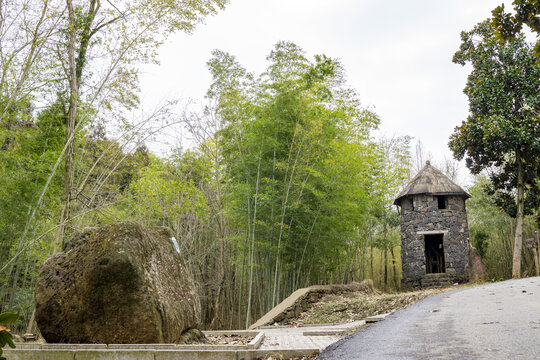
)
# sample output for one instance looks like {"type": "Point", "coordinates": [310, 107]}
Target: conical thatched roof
{"type": "Point", "coordinates": [430, 181]}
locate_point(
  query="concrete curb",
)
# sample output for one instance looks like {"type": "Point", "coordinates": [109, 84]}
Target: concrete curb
{"type": "Point", "coordinates": [140, 351]}
{"type": "Point", "coordinates": [324, 332]}
{"type": "Point", "coordinates": [98, 354]}
{"type": "Point", "coordinates": [376, 318]}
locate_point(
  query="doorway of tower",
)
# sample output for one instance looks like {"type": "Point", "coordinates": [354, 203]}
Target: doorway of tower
{"type": "Point", "coordinates": [434, 254]}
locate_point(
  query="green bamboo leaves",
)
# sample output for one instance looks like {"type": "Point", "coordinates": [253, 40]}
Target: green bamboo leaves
{"type": "Point", "coordinates": [301, 167]}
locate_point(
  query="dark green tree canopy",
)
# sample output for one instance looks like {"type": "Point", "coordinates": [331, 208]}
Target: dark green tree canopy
{"type": "Point", "coordinates": [509, 25]}
{"type": "Point", "coordinates": [503, 111]}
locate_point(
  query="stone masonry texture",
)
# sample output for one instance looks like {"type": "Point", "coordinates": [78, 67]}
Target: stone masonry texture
{"type": "Point", "coordinates": [420, 214]}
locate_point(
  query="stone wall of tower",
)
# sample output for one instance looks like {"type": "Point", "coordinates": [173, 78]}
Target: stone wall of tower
{"type": "Point", "coordinates": [420, 214]}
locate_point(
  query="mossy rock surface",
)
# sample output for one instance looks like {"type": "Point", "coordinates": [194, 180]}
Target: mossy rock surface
{"type": "Point", "coordinates": [121, 283]}
{"type": "Point", "coordinates": [193, 336]}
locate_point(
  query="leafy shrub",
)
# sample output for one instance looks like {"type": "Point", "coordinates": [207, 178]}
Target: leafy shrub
{"type": "Point", "coordinates": [5, 335]}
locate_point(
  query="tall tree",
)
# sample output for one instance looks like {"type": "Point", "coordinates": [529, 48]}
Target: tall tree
{"type": "Point", "coordinates": [502, 131]}
{"type": "Point", "coordinates": [126, 34]}
{"type": "Point", "coordinates": [297, 154]}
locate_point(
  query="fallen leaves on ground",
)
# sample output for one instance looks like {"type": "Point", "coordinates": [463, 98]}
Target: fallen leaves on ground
{"type": "Point", "coordinates": [228, 339]}
{"type": "Point", "coordinates": [357, 306]}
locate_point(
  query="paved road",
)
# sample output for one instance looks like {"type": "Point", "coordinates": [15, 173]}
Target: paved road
{"type": "Point", "coordinates": [494, 321]}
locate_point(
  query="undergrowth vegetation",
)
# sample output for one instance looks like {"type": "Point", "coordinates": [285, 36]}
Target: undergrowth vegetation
{"type": "Point", "coordinates": [359, 305]}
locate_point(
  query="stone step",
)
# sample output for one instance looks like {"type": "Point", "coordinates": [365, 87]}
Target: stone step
{"type": "Point", "coordinates": [433, 281]}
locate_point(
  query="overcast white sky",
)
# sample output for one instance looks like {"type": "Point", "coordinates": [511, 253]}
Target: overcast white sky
{"type": "Point", "coordinates": [396, 53]}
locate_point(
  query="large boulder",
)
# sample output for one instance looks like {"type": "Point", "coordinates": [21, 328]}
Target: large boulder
{"type": "Point", "coordinates": [121, 283]}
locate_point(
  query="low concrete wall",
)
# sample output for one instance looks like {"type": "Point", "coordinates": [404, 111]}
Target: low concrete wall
{"type": "Point", "coordinates": [35, 351]}
{"type": "Point", "coordinates": [35, 354]}
{"type": "Point", "coordinates": [31, 354]}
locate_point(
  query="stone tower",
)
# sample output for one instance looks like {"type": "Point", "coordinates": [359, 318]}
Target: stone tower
{"type": "Point", "coordinates": [434, 232]}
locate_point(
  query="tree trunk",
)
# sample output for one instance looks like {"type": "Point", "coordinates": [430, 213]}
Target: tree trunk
{"type": "Point", "coordinates": [75, 69]}
{"type": "Point", "coordinates": [364, 252]}
{"type": "Point", "coordinates": [371, 256]}
{"type": "Point", "coordinates": [516, 260]}
{"type": "Point", "coordinates": [252, 247]}
{"type": "Point", "coordinates": [70, 126]}
{"type": "Point", "coordinates": [385, 268]}
{"type": "Point", "coordinates": [394, 267]}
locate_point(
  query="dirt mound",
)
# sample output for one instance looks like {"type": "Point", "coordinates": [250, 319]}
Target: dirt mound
{"type": "Point", "coordinates": [356, 306]}
{"type": "Point", "coordinates": [121, 283]}
{"type": "Point", "coordinates": [303, 299]}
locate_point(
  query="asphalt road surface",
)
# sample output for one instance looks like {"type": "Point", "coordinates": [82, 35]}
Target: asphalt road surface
{"type": "Point", "coordinates": [493, 321]}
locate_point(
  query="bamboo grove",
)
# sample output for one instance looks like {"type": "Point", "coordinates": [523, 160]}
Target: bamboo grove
{"type": "Point", "coordinates": [285, 183]}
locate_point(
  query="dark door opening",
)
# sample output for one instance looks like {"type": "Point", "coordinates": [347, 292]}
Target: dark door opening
{"type": "Point", "coordinates": [434, 254]}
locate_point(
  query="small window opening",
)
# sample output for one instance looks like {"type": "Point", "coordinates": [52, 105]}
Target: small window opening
{"type": "Point", "coordinates": [434, 251]}
{"type": "Point", "coordinates": [441, 202]}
